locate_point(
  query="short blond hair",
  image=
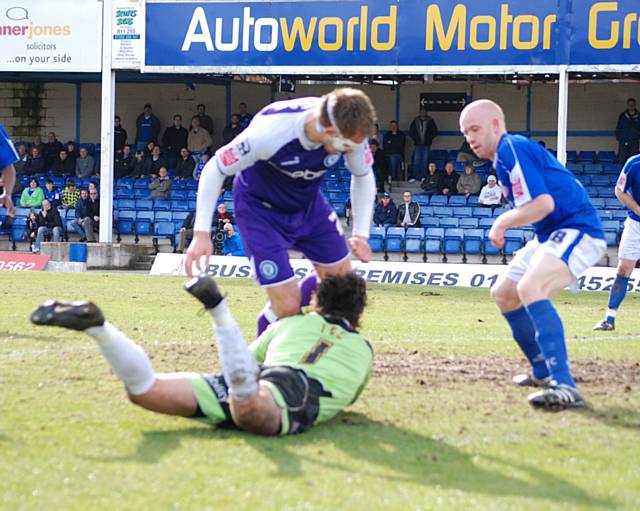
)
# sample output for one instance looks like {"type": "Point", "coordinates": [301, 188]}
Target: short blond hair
{"type": "Point", "coordinates": [352, 111]}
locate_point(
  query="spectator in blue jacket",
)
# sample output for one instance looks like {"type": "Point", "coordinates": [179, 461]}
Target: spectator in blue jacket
{"type": "Point", "coordinates": [75, 225]}
{"type": "Point", "coordinates": [231, 244]}
{"type": "Point", "coordinates": [386, 211]}
{"type": "Point", "coordinates": [628, 132]}
{"type": "Point", "coordinates": [52, 194]}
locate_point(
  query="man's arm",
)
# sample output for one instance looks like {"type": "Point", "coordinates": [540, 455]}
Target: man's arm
{"type": "Point", "coordinates": [628, 201]}
{"type": "Point", "coordinates": [531, 212]}
{"type": "Point", "coordinates": [363, 194]}
{"type": "Point", "coordinates": [8, 182]}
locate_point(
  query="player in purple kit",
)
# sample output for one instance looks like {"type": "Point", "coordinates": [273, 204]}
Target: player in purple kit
{"type": "Point", "coordinates": [8, 155]}
{"type": "Point", "coordinates": [279, 162]}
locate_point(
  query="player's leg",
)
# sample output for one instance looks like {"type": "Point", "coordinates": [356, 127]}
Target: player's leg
{"type": "Point", "coordinates": [260, 414]}
{"type": "Point", "coordinates": [554, 266]}
{"type": "Point", "coordinates": [628, 254]}
{"type": "Point", "coordinates": [505, 295]}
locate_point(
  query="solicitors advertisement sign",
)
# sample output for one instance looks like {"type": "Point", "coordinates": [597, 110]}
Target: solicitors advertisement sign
{"type": "Point", "coordinates": [36, 35]}
{"type": "Point", "coordinates": [376, 36]}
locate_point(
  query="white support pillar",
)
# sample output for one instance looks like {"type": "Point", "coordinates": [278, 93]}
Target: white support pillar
{"type": "Point", "coordinates": [563, 105]}
{"type": "Point", "coordinates": [106, 127]}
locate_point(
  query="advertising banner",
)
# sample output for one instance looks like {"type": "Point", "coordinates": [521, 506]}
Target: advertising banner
{"type": "Point", "coordinates": [10, 261]}
{"type": "Point", "coordinates": [65, 35]}
{"type": "Point", "coordinates": [128, 23]}
{"type": "Point", "coordinates": [367, 36]}
{"type": "Point", "coordinates": [382, 272]}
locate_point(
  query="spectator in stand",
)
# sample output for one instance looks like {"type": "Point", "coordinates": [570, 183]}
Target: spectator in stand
{"type": "Point", "coordinates": [22, 160]}
{"type": "Point", "coordinates": [147, 128]}
{"type": "Point", "coordinates": [70, 195]}
{"type": "Point", "coordinates": [75, 225]}
{"type": "Point", "coordinates": [37, 142]}
{"type": "Point", "coordinates": [32, 196]}
{"type": "Point", "coordinates": [52, 194]}
{"type": "Point", "coordinates": [199, 140]}
{"type": "Point", "coordinates": [51, 150]}
{"type": "Point", "coordinates": [140, 165]}
{"type": "Point", "coordinates": [31, 229]}
{"type": "Point", "coordinates": [408, 212]}
{"type": "Point", "coordinates": [377, 135]}
{"type": "Point", "coordinates": [85, 164]}
{"type": "Point", "coordinates": [431, 184]}
{"type": "Point", "coordinates": [231, 130]}
{"type": "Point", "coordinates": [124, 162]}
{"type": "Point", "coordinates": [465, 153]}
{"type": "Point", "coordinates": [63, 165]}
{"type": "Point", "coordinates": [380, 168]}
{"type": "Point", "coordinates": [393, 143]}
{"type": "Point", "coordinates": [160, 185]}
{"type": "Point", "coordinates": [173, 140]}
{"type": "Point", "coordinates": [155, 161]}
{"type": "Point", "coordinates": [49, 224]}
{"type": "Point", "coordinates": [119, 135]}
{"type": "Point", "coordinates": [491, 193]}
{"type": "Point", "coordinates": [35, 163]}
{"type": "Point", "coordinates": [222, 216]}
{"type": "Point", "coordinates": [186, 165]}
{"type": "Point", "coordinates": [231, 244]}
{"type": "Point", "coordinates": [197, 171]}
{"type": "Point", "coordinates": [148, 149]}
{"type": "Point", "coordinates": [423, 130]}
{"type": "Point", "coordinates": [243, 116]}
{"type": "Point", "coordinates": [628, 132]}
{"type": "Point", "coordinates": [72, 153]}
{"type": "Point", "coordinates": [90, 223]}
{"type": "Point", "coordinates": [205, 121]}
{"type": "Point", "coordinates": [186, 231]}
{"type": "Point", "coordinates": [386, 212]}
{"type": "Point", "coordinates": [449, 180]}
{"type": "Point", "coordinates": [470, 182]}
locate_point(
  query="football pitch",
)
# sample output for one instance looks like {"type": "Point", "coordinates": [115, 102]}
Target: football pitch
{"type": "Point", "coordinates": [440, 426]}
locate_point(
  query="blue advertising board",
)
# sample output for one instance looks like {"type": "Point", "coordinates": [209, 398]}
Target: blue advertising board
{"type": "Point", "coordinates": [382, 36]}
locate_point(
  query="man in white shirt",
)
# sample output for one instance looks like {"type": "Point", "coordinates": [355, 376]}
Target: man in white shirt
{"type": "Point", "coordinates": [491, 193]}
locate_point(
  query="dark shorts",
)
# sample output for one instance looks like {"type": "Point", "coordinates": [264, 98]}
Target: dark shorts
{"type": "Point", "coordinates": [297, 395]}
{"type": "Point", "coordinates": [268, 234]}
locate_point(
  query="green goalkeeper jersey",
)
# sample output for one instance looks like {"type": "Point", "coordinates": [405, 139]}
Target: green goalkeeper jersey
{"type": "Point", "coordinates": [339, 358]}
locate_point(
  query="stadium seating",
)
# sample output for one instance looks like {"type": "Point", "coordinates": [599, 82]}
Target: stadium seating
{"type": "Point", "coordinates": [513, 240]}
{"type": "Point", "coordinates": [414, 239]}
{"type": "Point", "coordinates": [394, 239]}
{"type": "Point", "coordinates": [433, 240]}
{"type": "Point", "coordinates": [453, 241]}
{"type": "Point", "coordinates": [376, 238]}
{"type": "Point", "coordinates": [473, 239]}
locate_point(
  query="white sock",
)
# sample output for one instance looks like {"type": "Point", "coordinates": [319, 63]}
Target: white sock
{"type": "Point", "coordinates": [126, 358]}
{"type": "Point", "coordinates": [239, 366]}
{"type": "Point", "coordinates": [611, 312]}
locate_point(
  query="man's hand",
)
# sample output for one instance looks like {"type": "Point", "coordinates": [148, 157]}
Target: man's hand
{"type": "Point", "coordinates": [200, 246]}
{"type": "Point", "coordinates": [360, 248]}
{"type": "Point", "coordinates": [496, 234]}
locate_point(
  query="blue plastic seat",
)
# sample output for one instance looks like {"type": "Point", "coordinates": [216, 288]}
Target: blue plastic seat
{"type": "Point", "coordinates": [163, 216]}
{"type": "Point", "coordinates": [572, 156]}
{"type": "Point", "coordinates": [513, 240]}
{"type": "Point", "coordinates": [481, 212]}
{"type": "Point", "coordinates": [473, 241]}
{"type": "Point", "coordinates": [142, 182]}
{"type": "Point", "coordinates": [433, 240]}
{"type": "Point", "coordinates": [472, 201]}
{"type": "Point", "coordinates": [179, 205]}
{"type": "Point", "coordinates": [485, 223]}
{"type": "Point", "coordinates": [587, 156]}
{"type": "Point", "coordinates": [127, 214]}
{"type": "Point", "coordinates": [429, 221]}
{"type": "Point", "coordinates": [125, 193]}
{"type": "Point", "coordinates": [414, 238]}
{"type": "Point", "coordinates": [598, 203]}
{"type": "Point", "coordinates": [163, 230]}
{"type": "Point", "coordinates": [453, 241]}
{"type": "Point", "coordinates": [605, 214]}
{"type": "Point", "coordinates": [180, 215]}
{"type": "Point", "coordinates": [143, 204]}
{"type": "Point", "coordinates": [593, 168]}
{"type": "Point", "coordinates": [448, 223]}
{"type": "Point", "coordinates": [394, 239]}
{"type": "Point", "coordinates": [421, 199]}
{"type": "Point", "coordinates": [611, 228]}
{"type": "Point", "coordinates": [619, 214]}
{"type": "Point", "coordinates": [438, 200]}
{"type": "Point", "coordinates": [443, 212]}
{"type": "Point", "coordinates": [376, 238]}
{"type": "Point", "coordinates": [468, 223]}
{"type": "Point", "coordinates": [606, 156]}
{"type": "Point", "coordinates": [162, 205]}
{"type": "Point", "coordinates": [463, 212]}
{"type": "Point", "coordinates": [179, 194]}
{"type": "Point", "coordinates": [141, 193]}
{"type": "Point", "coordinates": [457, 200]}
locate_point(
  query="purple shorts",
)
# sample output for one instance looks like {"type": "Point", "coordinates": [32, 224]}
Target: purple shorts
{"type": "Point", "coordinates": [268, 234]}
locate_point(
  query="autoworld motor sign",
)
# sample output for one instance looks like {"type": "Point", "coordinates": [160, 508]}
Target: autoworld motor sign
{"type": "Point", "coordinates": [381, 272]}
{"type": "Point", "coordinates": [389, 36]}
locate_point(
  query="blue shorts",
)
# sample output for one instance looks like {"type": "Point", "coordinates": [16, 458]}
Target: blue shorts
{"type": "Point", "coordinates": [8, 153]}
{"type": "Point", "coordinates": [268, 234]}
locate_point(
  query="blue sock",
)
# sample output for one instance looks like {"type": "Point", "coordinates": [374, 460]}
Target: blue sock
{"type": "Point", "coordinates": [550, 337]}
{"type": "Point", "coordinates": [616, 295]}
{"type": "Point", "coordinates": [524, 332]}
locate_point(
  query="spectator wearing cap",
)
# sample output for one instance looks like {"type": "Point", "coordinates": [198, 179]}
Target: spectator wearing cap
{"type": "Point", "coordinates": [408, 212]}
{"type": "Point", "coordinates": [380, 168]}
{"type": "Point", "coordinates": [386, 212]}
{"type": "Point", "coordinates": [70, 195]}
{"type": "Point", "coordinates": [491, 193]}
{"type": "Point", "coordinates": [147, 128]}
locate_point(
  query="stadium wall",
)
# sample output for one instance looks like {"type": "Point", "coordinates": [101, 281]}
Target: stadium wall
{"type": "Point", "coordinates": [30, 107]}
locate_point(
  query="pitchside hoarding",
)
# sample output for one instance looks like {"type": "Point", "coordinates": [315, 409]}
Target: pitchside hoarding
{"type": "Point", "coordinates": [65, 35]}
{"type": "Point", "coordinates": [382, 36]}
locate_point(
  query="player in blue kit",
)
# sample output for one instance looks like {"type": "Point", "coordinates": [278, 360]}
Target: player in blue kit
{"type": "Point", "coordinates": [628, 192]}
{"type": "Point", "coordinates": [279, 162]}
{"type": "Point", "coordinates": [569, 239]}
{"type": "Point", "coordinates": [8, 156]}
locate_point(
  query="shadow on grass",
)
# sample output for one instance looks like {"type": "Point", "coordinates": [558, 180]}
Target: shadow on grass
{"type": "Point", "coordinates": [384, 451]}
{"type": "Point", "coordinates": [616, 417]}
{"type": "Point", "coordinates": [26, 337]}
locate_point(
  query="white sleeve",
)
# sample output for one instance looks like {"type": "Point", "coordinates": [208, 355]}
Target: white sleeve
{"type": "Point", "coordinates": [363, 189]}
{"type": "Point", "coordinates": [239, 154]}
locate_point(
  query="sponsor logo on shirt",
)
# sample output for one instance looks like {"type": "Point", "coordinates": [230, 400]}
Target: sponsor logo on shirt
{"type": "Point", "coordinates": [293, 161]}
{"type": "Point", "coordinates": [517, 188]}
{"type": "Point", "coordinates": [243, 148]}
{"type": "Point", "coordinates": [622, 180]}
{"type": "Point", "coordinates": [229, 157]}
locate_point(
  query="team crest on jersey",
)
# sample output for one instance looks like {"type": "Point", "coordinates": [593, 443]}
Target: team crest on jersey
{"type": "Point", "coordinates": [268, 269]}
{"type": "Point", "coordinates": [331, 159]}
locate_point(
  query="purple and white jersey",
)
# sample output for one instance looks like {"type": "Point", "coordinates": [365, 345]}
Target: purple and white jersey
{"type": "Point", "coordinates": [278, 164]}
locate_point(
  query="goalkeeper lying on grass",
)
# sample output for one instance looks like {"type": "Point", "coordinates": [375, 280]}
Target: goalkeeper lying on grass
{"type": "Point", "coordinates": [301, 370]}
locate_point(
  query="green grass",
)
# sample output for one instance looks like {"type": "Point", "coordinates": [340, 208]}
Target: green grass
{"type": "Point", "coordinates": [69, 439]}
